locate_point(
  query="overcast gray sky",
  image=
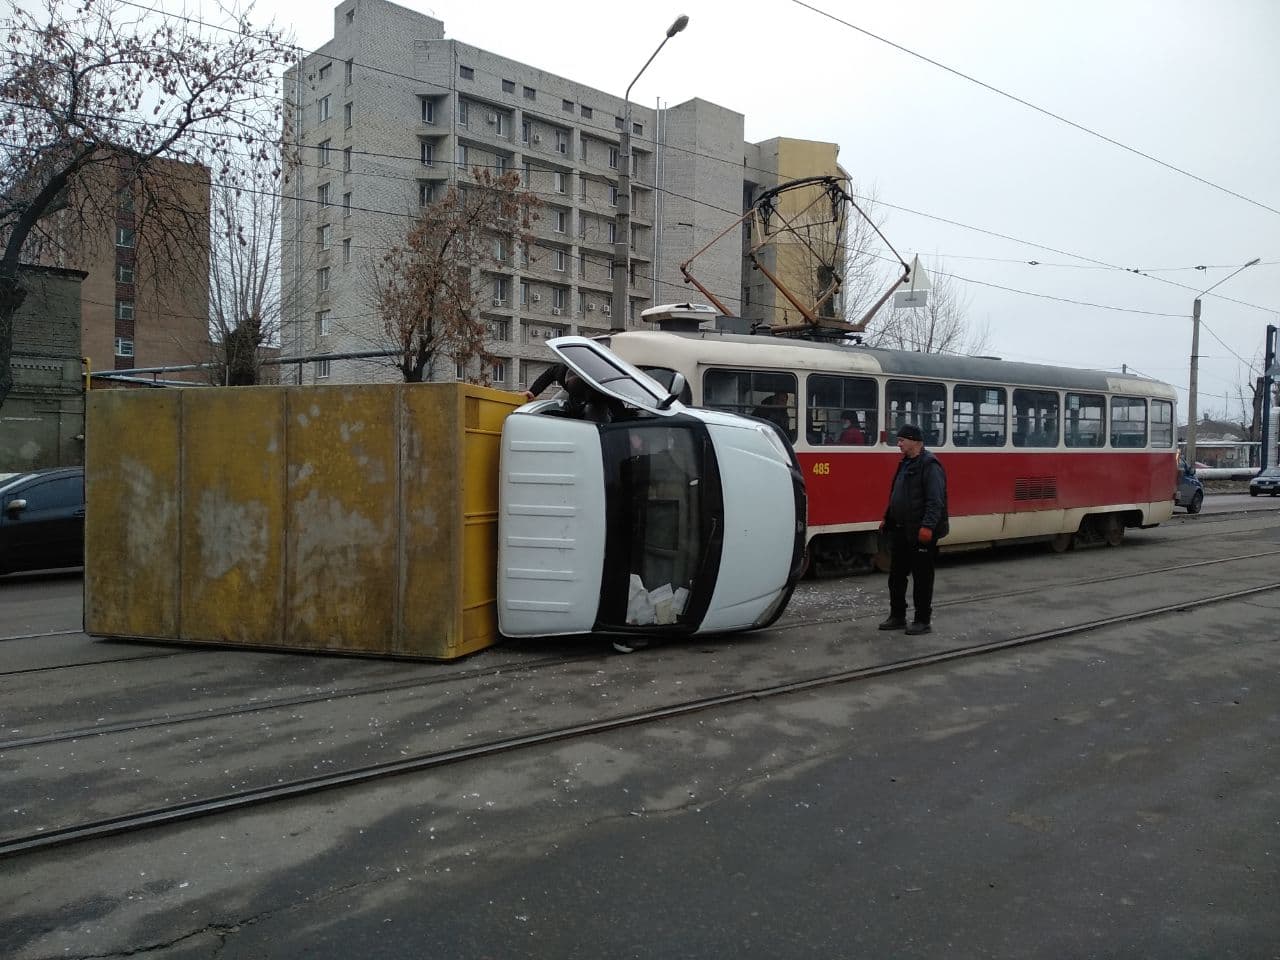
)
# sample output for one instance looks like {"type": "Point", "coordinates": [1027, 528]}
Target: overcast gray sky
{"type": "Point", "coordinates": [1195, 85]}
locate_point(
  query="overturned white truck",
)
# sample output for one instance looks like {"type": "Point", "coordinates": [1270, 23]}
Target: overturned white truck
{"type": "Point", "coordinates": [638, 515]}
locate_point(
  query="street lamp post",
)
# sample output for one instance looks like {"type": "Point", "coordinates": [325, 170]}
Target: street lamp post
{"type": "Point", "coordinates": [622, 221]}
{"type": "Point", "coordinates": [1194, 384]}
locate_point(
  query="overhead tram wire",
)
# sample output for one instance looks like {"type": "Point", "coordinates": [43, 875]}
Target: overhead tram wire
{"type": "Point", "coordinates": [653, 143]}
{"type": "Point", "coordinates": [610, 132]}
{"type": "Point", "coordinates": [1038, 109]}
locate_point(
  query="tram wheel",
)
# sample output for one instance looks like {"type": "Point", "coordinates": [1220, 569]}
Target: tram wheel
{"type": "Point", "coordinates": [1114, 532]}
{"type": "Point", "coordinates": [1062, 542]}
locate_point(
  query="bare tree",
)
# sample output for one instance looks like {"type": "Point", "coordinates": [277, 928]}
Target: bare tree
{"type": "Point", "coordinates": [427, 290]}
{"type": "Point", "coordinates": [939, 327]}
{"type": "Point", "coordinates": [97, 97]}
{"type": "Point", "coordinates": [246, 303]}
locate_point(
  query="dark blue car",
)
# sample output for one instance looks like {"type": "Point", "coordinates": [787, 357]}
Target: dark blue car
{"type": "Point", "coordinates": [42, 520]}
{"type": "Point", "coordinates": [1190, 490]}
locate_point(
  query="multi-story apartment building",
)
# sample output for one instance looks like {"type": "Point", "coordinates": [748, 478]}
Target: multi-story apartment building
{"type": "Point", "coordinates": [388, 113]}
{"type": "Point", "coordinates": [145, 252]}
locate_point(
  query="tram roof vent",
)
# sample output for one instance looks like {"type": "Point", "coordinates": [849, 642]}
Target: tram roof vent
{"type": "Point", "coordinates": [679, 317]}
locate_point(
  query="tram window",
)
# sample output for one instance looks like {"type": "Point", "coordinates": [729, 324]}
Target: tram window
{"type": "Point", "coordinates": [756, 393]}
{"type": "Point", "coordinates": [912, 401]}
{"type": "Point", "coordinates": [1086, 420]}
{"type": "Point", "coordinates": [1128, 422]}
{"type": "Point", "coordinates": [1035, 418]}
{"type": "Point", "coordinates": [978, 416]}
{"type": "Point", "coordinates": [841, 410]}
{"type": "Point", "coordinates": [1161, 423]}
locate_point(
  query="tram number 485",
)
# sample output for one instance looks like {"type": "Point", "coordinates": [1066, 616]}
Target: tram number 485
{"type": "Point", "coordinates": [821, 469]}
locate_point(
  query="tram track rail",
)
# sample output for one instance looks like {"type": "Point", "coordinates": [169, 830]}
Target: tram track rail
{"type": "Point", "coordinates": [165, 815]}
{"type": "Point", "coordinates": [331, 694]}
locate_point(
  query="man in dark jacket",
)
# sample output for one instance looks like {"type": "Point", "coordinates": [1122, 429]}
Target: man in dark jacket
{"type": "Point", "coordinates": [915, 520]}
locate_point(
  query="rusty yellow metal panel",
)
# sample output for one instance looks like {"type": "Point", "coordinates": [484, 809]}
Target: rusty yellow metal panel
{"type": "Point", "coordinates": [432, 519]}
{"type": "Point", "coordinates": [341, 534]}
{"type": "Point", "coordinates": [484, 412]}
{"type": "Point", "coordinates": [233, 516]}
{"type": "Point", "coordinates": [132, 506]}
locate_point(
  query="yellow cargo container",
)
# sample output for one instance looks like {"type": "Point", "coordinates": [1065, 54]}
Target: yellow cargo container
{"type": "Point", "coordinates": [353, 519]}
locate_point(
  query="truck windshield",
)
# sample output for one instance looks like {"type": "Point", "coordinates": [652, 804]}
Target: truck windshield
{"type": "Point", "coordinates": [664, 515]}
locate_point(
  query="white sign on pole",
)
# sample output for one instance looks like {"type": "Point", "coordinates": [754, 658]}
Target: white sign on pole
{"type": "Point", "coordinates": [913, 291]}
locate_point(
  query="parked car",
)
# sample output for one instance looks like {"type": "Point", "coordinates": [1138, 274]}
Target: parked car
{"type": "Point", "coordinates": [1190, 490]}
{"type": "Point", "coordinates": [1268, 481]}
{"type": "Point", "coordinates": [42, 520]}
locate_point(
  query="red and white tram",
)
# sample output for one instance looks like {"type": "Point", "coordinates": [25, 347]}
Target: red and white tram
{"type": "Point", "coordinates": [1032, 452]}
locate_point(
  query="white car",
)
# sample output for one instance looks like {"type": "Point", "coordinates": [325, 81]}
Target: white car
{"type": "Point", "coordinates": [662, 519]}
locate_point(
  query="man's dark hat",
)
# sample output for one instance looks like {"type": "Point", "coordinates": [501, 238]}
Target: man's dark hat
{"type": "Point", "coordinates": [910, 431]}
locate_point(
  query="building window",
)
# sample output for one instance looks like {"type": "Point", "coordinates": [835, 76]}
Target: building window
{"type": "Point", "coordinates": [499, 372]}
{"type": "Point", "coordinates": [524, 293]}
{"type": "Point", "coordinates": [560, 261]}
{"type": "Point", "coordinates": [586, 112]}
{"type": "Point", "coordinates": [617, 122]}
{"type": "Point", "coordinates": [613, 158]}
{"type": "Point", "coordinates": [124, 346]}
{"type": "Point", "coordinates": [322, 369]}
{"type": "Point", "coordinates": [346, 204]}
{"type": "Point", "coordinates": [124, 273]}
{"type": "Point", "coordinates": [582, 302]}
{"type": "Point", "coordinates": [500, 329]}
{"type": "Point", "coordinates": [428, 110]}
{"type": "Point", "coordinates": [637, 128]}
{"type": "Point", "coordinates": [557, 297]}
{"type": "Point", "coordinates": [427, 152]}
{"type": "Point", "coordinates": [582, 148]}
{"type": "Point", "coordinates": [351, 17]}
{"type": "Point", "coordinates": [324, 71]}
{"type": "Point", "coordinates": [459, 372]}
{"type": "Point", "coordinates": [322, 109]}
{"type": "Point", "coordinates": [324, 236]}
{"type": "Point", "coordinates": [500, 249]}
{"type": "Point", "coordinates": [566, 106]}
{"type": "Point", "coordinates": [322, 323]}
{"type": "Point", "coordinates": [500, 291]}
{"type": "Point", "coordinates": [350, 65]}
{"type": "Point", "coordinates": [612, 230]}
{"type": "Point", "coordinates": [124, 309]}
{"type": "Point", "coordinates": [500, 164]}
{"type": "Point", "coordinates": [582, 186]}
{"type": "Point", "coordinates": [561, 218]}
{"type": "Point", "coordinates": [562, 181]}
{"type": "Point", "coordinates": [346, 159]}
{"type": "Point", "coordinates": [530, 93]}
{"type": "Point", "coordinates": [322, 194]}
{"type": "Point", "coordinates": [508, 86]}
{"type": "Point", "coordinates": [324, 153]}
{"type": "Point", "coordinates": [464, 113]}
{"type": "Point", "coordinates": [125, 237]}
{"type": "Point", "coordinates": [613, 194]}
{"type": "Point", "coordinates": [582, 224]}
{"type": "Point", "coordinates": [463, 155]}
{"type": "Point", "coordinates": [562, 141]}
{"type": "Point", "coordinates": [322, 280]}
{"type": "Point", "coordinates": [526, 128]}
{"type": "Point", "coordinates": [346, 115]}
{"type": "Point", "coordinates": [346, 249]}
{"type": "Point", "coordinates": [466, 73]}
{"type": "Point", "coordinates": [426, 193]}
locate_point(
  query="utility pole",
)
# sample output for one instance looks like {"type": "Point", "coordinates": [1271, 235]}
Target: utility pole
{"type": "Point", "coordinates": [1194, 383]}
{"type": "Point", "coordinates": [622, 220]}
{"type": "Point", "coordinates": [1269, 372]}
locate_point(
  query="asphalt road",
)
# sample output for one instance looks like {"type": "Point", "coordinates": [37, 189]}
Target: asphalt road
{"type": "Point", "coordinates": [1112, 794]}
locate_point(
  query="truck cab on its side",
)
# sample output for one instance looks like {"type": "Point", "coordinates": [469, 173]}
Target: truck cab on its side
{"type": "Point", "coordinates": [660, 519]}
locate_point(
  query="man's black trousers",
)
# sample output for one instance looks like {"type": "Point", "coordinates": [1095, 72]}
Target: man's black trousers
{"type": "Point", "coordinates": [908, 558]}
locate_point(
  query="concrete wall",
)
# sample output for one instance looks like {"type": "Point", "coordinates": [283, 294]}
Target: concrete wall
{"type": "Point", "coordinates": [355, 519]}
{"type": "Point", "coordinates": [42, 420]}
